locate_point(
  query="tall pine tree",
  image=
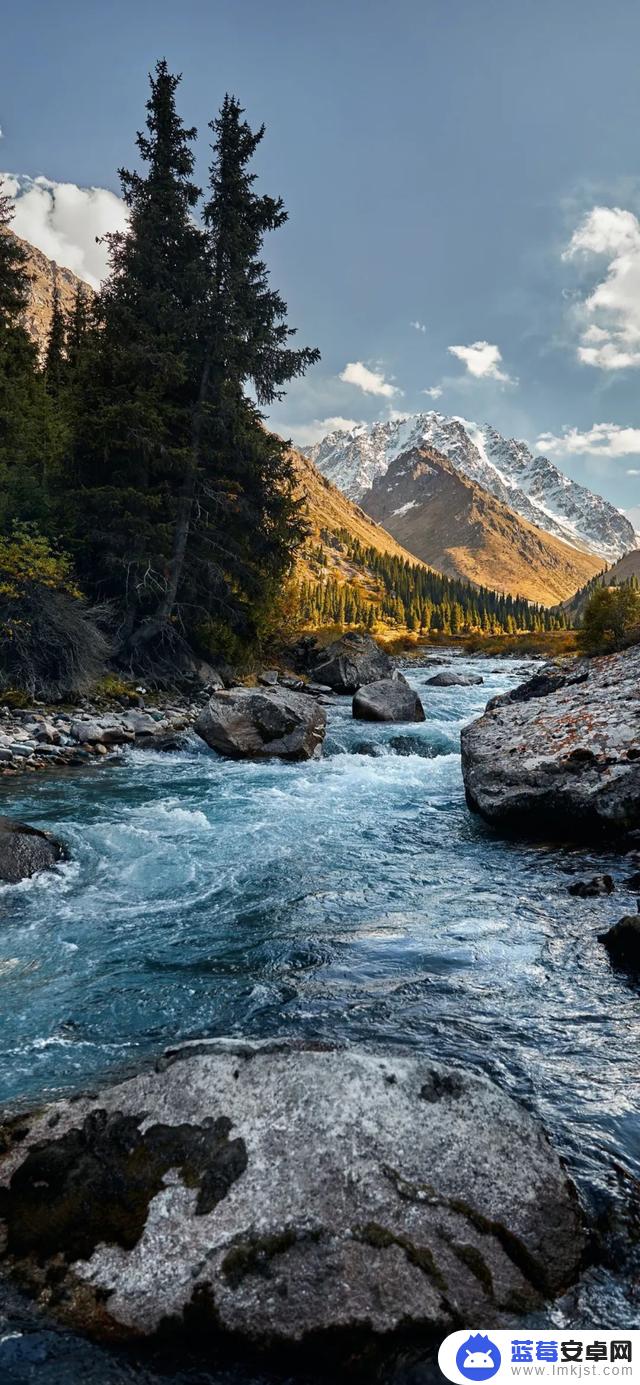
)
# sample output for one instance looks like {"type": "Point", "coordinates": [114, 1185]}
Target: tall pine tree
{"type": "Point", "coordinates": [22, 494]}
{"type": "Point", "coordinates": [138, 372]}
{"type": "Point", "coordinates": [245, 521]}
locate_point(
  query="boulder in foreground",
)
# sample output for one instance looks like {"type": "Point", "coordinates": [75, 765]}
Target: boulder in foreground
{"type": "Point", "coordinates": [25, 850]}
{"type": "Point", "coordinates": [281, 1192]}
{"type": "Point", "coordinates": [352, 661]}
{"type": "Point", "coordinates": [261, 723]}
{"type": "Point", "coordinates": [391, 699]}
{"type": "Point", "coordinates": [563, 762]}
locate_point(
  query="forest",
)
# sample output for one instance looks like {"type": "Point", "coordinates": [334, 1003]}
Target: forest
{"type": "Point", "coordinates": [145, 509]}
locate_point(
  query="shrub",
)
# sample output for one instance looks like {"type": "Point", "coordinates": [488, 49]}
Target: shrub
{"type": "Point", "coordinates": [611, 620]}
{"type": "Point", "coordinates": [51, 643]}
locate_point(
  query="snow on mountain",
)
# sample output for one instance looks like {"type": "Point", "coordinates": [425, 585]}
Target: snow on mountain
{"type": "Point", "coordinates": [533, 486]}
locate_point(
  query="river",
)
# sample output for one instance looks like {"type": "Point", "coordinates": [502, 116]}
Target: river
{"type": "Point", "coordinates": [354, 898]}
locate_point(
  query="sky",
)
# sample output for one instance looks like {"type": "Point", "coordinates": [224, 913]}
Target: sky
{"type": "Point", "coordinates": [462, 179]}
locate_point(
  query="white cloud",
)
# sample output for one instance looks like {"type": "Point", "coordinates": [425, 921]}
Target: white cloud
{"type": "Point", "coordinates": [633, 471]}
{"type": "Point", "coordinates": [482, 360]}
{"type": "Point", "coordinates": [304, 434]}
{"type": "Point", "coordinates": [434, 393]}
{"type": "Point", "coordinates": [418, 326]}
{"type": "Point", "coordinates": [601, 440]}
{"type": "Point", "coordinates": [609, 316]}
{"type": "Point", "coordinates": [64, 220]}
{"type": "Point", "coordinates": [371, 381]}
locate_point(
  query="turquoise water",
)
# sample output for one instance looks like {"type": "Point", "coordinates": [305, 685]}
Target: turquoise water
{"type": "Point", "coordinates": [353, 898]}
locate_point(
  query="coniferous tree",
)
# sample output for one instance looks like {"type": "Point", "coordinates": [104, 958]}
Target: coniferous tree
{"type": "Point", "coordinates": [21, 404]}
{"type": "Point", "coordinates": [56, 343]}
{"type": "Point", "coordinates": [239, 523]}
{"type": "Point", "coordinates": [77, 327]}
{"type": "Point", "coordinates": [138, 375]}
{"type": "Point", "coordinates": [56, 419]}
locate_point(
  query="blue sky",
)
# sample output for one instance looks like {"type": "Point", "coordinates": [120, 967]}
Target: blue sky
{"type": "Point", "coordinates": [471, 167]}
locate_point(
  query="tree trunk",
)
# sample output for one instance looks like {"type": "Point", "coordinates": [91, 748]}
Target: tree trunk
{"type": "Point", "coordinates": [156, 623]}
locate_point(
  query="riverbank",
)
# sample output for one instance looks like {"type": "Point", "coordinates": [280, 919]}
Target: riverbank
{"type": "Point", "coordinates": [350, 900]}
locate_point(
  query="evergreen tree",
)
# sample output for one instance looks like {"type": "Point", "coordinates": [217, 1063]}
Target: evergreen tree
{"type": "Point", "coordinates": [77, 328]}
{"type": "Point", "coordinates": [56, 344]}
{"type": "Point", "coordinates": [240, 523]}
{"type": "Point", "coordinates": [21, 402]}
{"type": "Point", "coordinates": [139, 375]}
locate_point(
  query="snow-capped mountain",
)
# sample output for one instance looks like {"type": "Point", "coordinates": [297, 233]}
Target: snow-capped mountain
{"type": "Point", "coordinates": [533, 486]}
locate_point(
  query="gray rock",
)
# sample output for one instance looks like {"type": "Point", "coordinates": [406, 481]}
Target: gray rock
{"type": "Point", "coordinates": [24, 851]}
{"type": "Point", "coordinates": [48, 734]}
{"type": "Point", "coordinates": [454, 680]}
{"type": "Point", "coordinates": [622, 942]}
{"type": "Point", "coordinates": [268, 678]}
{"type": "Point", "coordinates": [296, 684]}
{"type": "Point", "coordinates": [389, 700]}
{"type": "Point", "coordinates": [566, 764]}
{"type": "Point", "coordinates": [252, 723]}
{"type": "Point", "coordinates": [87, 732]}
{"type": "Point", "coordinates": [350, 662]}
{"type": "Point", "coordinates": [141, 723]}
{"type": "Point", "coordinates": [6, 755]}
{"type": "Point", "coordinates": [286, 1193]}
{"type": "Point", "coordinates": [117, 735]}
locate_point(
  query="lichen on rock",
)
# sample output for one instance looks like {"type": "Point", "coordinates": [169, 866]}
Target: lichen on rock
{"type": "Point", "coordinates": [286, 1192]}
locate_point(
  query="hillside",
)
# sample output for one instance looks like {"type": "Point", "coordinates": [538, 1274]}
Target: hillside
{"type": "Point", "coordinates": [336, 524]}
{"type": "Point", "coordinates": [456, 526]}
{"type": "Point", "coordinates": [621, 572]}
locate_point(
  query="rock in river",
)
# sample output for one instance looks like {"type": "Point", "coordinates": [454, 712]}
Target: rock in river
{"type": "Point", "coordinates": [258, 723]}
{"type": "Point", "coordinates": [280, 1192]}
{"type": "Point", "coordinates": [389, 700]}
{"type": "Point", "coordinates": [454, 680]}
{"type": "Point", "coordinates": [352, 661]}
{"type": "Point", "coordinates": [565, 762]}
{"type": "Point", "coordinates": [591, 889]}
{"type": "Point", "coordinates": [25, 850]}
{"type": "Point", "coordinates": [622, 942]}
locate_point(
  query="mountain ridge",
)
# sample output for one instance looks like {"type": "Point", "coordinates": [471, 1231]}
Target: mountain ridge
{"type": "Point", "coordinates": [621, 572]}
{"type": "Point", "coordinates": [44, 276]}
{"type": "Point", "coordinates": [531, 485]}
{"type": "Point", "coordinates": [460, 529]}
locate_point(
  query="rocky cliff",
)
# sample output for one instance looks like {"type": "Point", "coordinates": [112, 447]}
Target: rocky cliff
{"type": "Point", "coordinates": [44, 275]}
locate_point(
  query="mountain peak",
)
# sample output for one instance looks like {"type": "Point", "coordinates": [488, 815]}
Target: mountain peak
{"type": "Point", "coordinates": [531, 485]}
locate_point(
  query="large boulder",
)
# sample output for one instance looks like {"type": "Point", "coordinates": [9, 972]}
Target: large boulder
{"type": "Point", "coordinates": [276, 1193]}
{"type": "Point", "coordinates": [25, 850]}
{"type": "Point", "coordinates": [259, 723]}
{"type": "Point", "coordinates": [392, 699]}
{"type": "Point", "coordinates": [565, 762]}
{"type": "Point", "coordinates": [454, 680]}
{"type": "Point", "coordinates": [352, 661]}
